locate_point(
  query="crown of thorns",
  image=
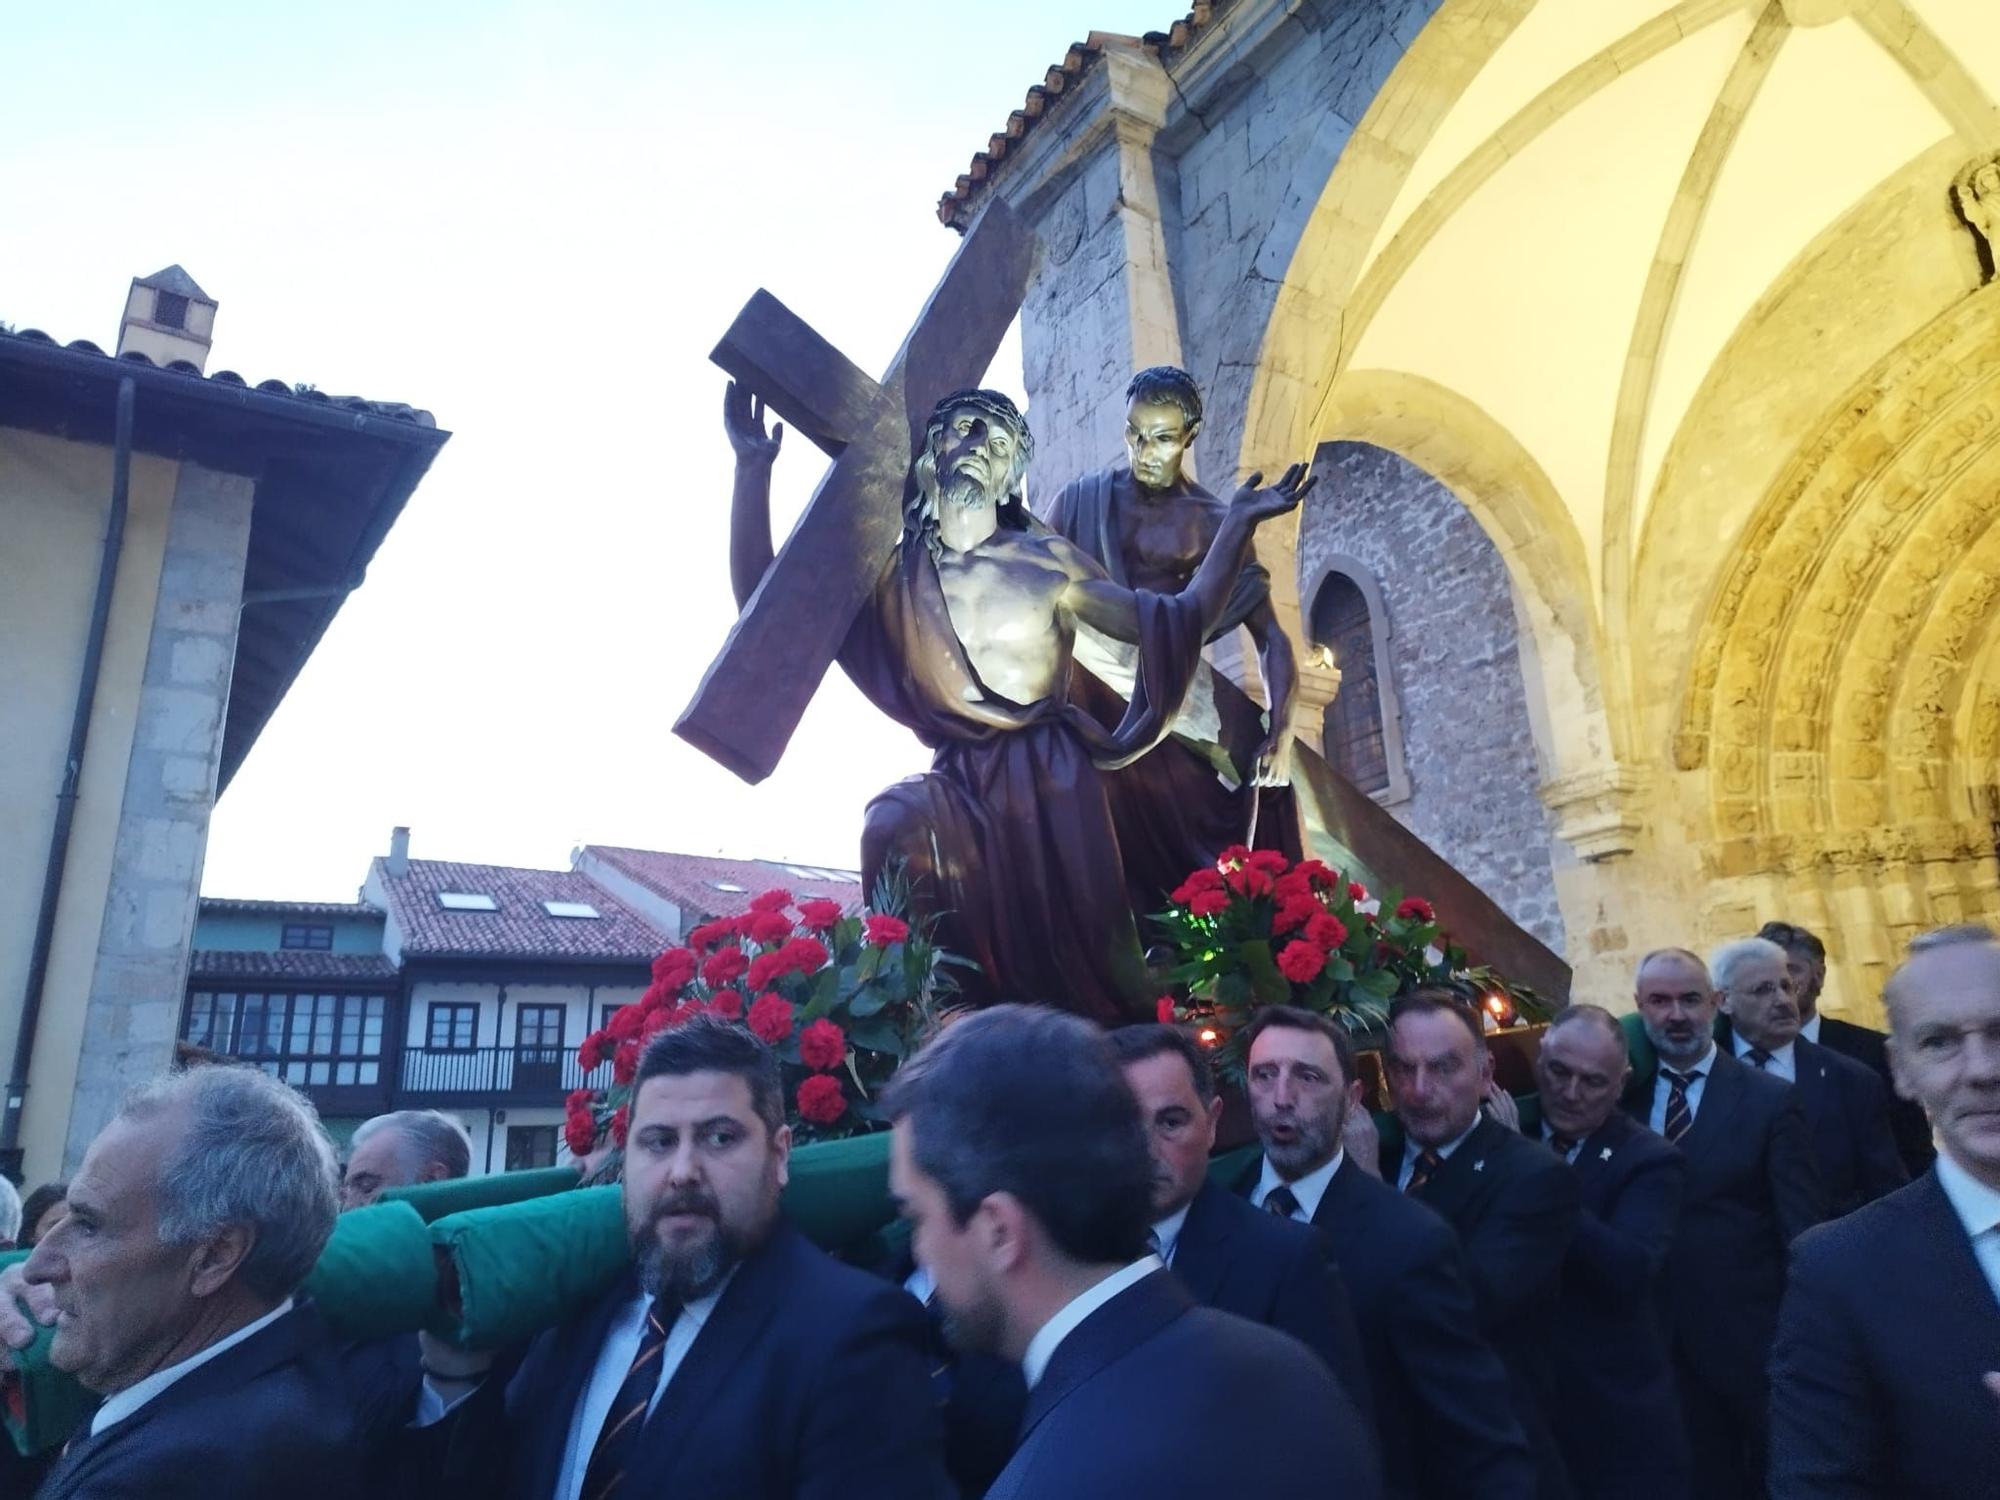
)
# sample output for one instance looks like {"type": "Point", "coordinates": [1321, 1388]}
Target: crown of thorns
{"type": "Point", "coordinates": [993, 404]}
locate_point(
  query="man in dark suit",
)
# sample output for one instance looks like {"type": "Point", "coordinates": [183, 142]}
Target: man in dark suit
{"type": "Point", "coordinates": [1617, 1414]}
{"type": "Point", "coordinates": [1511, 1202]}
{"type": "Point", "coordinates": [1259, 1266]}
{"type": "Point", "coordinates": [1752, 1189]}
{"type": "Point", "coordinates": [1444, 1416]}
{"type": "Point", "coordinates": [738, 1360]}
{"type": "Point", "coordinates": [1846, 1106]}
{"type": "Point", "coordinates": [198, 1212]}
{"type": "Point", "coordinates": [1805, 962]}
{"type": "Point", "coordinates": [1883, 1383]}
{"type": "Point", "coordinates": [1021, 1164]}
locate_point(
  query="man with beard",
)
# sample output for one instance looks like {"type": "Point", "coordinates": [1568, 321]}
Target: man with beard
{"type": "Point", "coordinates": [1444, 1417]}
{"type": "Point", "coordinates": [1752, 1188]}
{"type": "Point", "coordinates": [1010, 840]}
{"type": "Point", "coordinates": [738, 1360]}
{"type": "Point", "coordinates": [1020, 1163]}
{"type": "Point", "coordinates": [1846, 1106]}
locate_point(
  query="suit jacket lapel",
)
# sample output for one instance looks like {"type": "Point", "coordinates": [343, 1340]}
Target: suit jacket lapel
{"type": "Point", "coordinates": [1201, 1256]}
{"type": "Point", "coordinates": [1127, 1320]}
{"type": "Point", "coordinates": [1721, 1093]}
{"type": "Point", "coordinates": [1816, 1090]}
{"type": "Point", "coordinates": [1460, 1174]}
{"type": "Point", "coordinates": [1967, 1286]}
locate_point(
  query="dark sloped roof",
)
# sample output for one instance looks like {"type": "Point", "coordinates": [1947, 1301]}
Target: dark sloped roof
{"type": "Point", "coordinates": [520, 927]}
{"type": "Point", "coordinates": [1060, 82]}
{"type": "Point", "coordinates": [333, 473]}
{"type": "Point", "coordinates": [258, 907]}
{"type": "Point", "coordinates": [175, 280]}
{"type": "Point", "coordinates": [695, 882]}
{"type": "Point", "coordinates": [289, 966]}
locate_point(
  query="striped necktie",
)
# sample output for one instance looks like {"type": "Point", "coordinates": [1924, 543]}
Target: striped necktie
{"type": "Point", "coordinates": [1427, 1163]}
{"type": "Point", "coordinates": [1758, 1058]}
{"type": "Point", "coordinates": [1281, 1201]}
{"type": "Point", "coordinates": [1680, 1118]}
{"type": "Point", "coordinates": [618, 1442]}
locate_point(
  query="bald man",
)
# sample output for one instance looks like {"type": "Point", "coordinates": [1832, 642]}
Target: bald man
{"type": "Point", "coordinates": [1884, 1373]}
{"type": "Point", "coordinates": [1752, 1188]}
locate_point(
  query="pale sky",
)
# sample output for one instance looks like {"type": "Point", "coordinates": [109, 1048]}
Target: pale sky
{"type": "Point", "coordinates": [533, 220]}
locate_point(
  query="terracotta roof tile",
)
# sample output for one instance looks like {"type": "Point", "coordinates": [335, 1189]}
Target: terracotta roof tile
{"type": "Point", "coordinates": [258, 907]}
{"type": "Point", "coordinates": [520, 927]}
{"type": "Point", "coordinates": [697, 883]}
{"type": "Point", "coordinates": [955, 207]}
{"type": "Point", "coordinates": [288, 966]}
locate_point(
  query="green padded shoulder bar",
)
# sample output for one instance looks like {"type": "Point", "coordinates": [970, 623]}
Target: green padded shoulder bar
{"type": "Point", "coordinates": [436, 1200]}
{"type": "Point", "coordinates": [377, 1275]}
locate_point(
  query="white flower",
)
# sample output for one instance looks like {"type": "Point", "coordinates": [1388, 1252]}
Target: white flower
{"type": "Point", "coordinates": [1369, 908]}
{"type": "Point", "coordinates": [1433, 955]}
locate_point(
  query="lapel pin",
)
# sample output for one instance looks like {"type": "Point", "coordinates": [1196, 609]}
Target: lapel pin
{"type": "Point", "coordinates": [1480, 1165]}
{"type": "Point", "coordinates": [1605, 1154]}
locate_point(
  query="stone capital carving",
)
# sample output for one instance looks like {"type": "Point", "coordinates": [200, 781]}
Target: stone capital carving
{"type": "Point", "coordinates": [1596, 811]}
{"type": "Point", "coordinates": [1976, 191]}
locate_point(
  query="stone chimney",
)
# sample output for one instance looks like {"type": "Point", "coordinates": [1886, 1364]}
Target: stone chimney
{"type": "Point", "coordinates": [168, 319]}
{"type": "Point", "coordinates": [399, 851]}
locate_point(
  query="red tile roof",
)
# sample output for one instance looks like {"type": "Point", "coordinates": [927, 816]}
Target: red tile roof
{"type": "Point", "coordinates": [259, 907]}
{"type": "Point", "coordinates": [954, 209]}
{"type": "Point", "coordinates": [520, 927]}
{"type": "Point", "coordinates": [695, 883]}
{"type": "Point", "coordinates": [291, 966]}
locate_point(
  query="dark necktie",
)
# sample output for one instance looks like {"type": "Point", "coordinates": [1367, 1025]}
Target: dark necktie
{"type": "Point", "coordinates": [1758, 1058]}
{"type": "Point", "coordinates": [1427, 1163]}
{"type": "Point", "coordinates": [1561, 1144]}
{"type": "Point", "coordinates": [1281, 1200]}
{"type": "Point", "coordinates": [1679, 1117]}
{"type": "Point", "coordinates": [618, 1442]}
{"type": "Point", "coordinates": [1153, 1243]}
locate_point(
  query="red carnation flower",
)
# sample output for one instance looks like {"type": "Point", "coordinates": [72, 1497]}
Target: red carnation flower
{"type": "Point", "coordinates": [771, 901]}
{"type": "Point", "coordinates": [821, 1101]}
{"type": "Point", "coordinates": [767, 927]}
{"type": "Point", "coordinates": [771, 1018]}
{"type": "Point", "coordinates": [1235, 854]}
{"type": "Point", "coordinates": [1163, 1010]}
{"type": "Point", "coordinates": [626, 1022]}
{"type": "Point", "coordinates": [1415, 907]}
{"type": "Point", "coordinates": [590, 1056]}
{"type": "Point", "coordinates": [580, 1133]}
{"type": "Point", "coordinates": [658, 1021]}
{"type": "Point", "coordinates": [625, 1063]}
{"type": "Point", "coordinates": [1356, 891]}
{"type": "Point", "coordinates": [764, 968]}
{"type": "Point", "coordinates": [1270, 861]}
{"type": "Point", "coordinates": [1292, 886]}
{"type": "Point", "coordinates": [1317, 872]}
{"type": "Point", "coordinates": [881, 929]}
{"type": "Point", "coordinates": [709, 934]}
{"type": "Point", "coordinates": [725, 966]}
{"type": "Point", "coordinates": [822, 1045]}
{"type": "Point", "coordinates": [620, 1123]}
{"type": "Point", "coordinates": [819, 914]}
{"type": "Point", "coordinates": [687, 1010]}
{"type": "Point", "coordinates": [1209, 903]}
{"type": "Point", "coordinates": [674, 968]}
{"type": "Point", "coordinates": [726, 1004]}
{"type": "Point", "coordinates": [1326, 930]}
{"type": "Point", "coordinates": [1301, 962]}
{"type": "Point", "coordinates": [577, 1099]}
{"type": "Point", "coordinates": [1250, 881]}
{"type": "Point", "coordinates": [802, 955]}
{"type": "Point", "coordinates": [1293, 915]}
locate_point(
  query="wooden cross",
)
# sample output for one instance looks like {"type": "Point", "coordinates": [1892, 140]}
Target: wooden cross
{"type": "Point", "coordinates": [757, 688]}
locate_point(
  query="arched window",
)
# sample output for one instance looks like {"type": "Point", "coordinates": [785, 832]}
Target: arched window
{"type": "Point", "coordinates": [1354, 740]}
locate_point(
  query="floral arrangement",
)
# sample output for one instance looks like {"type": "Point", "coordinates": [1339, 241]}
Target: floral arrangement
{"type": "Point", "coordinates": [1255, 929]}
{"type": "Point", "coordinates": [842, 999]}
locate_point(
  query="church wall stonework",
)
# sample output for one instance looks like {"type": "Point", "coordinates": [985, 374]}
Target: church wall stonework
{"type": "Point", "coordinates": [1454, 649]}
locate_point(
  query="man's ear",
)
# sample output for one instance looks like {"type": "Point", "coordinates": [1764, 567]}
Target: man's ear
{"type": "Point", "coordinates": [1722, 1002]}
{"type": "Point", "coordinates": [214, 1260]}
{"type": "Point", "coordinates": [1898, 1071]}
{"type": "Point", "coordinates": [1003, 1225]}
{"type": "Point", "coordinates": [1193, 428]}
{"type": "Point", "coordinates": [781, 1142]}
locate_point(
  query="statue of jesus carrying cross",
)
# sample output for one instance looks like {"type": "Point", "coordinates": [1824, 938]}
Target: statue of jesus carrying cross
{"type": "Point", "coordinates": [966, 639]}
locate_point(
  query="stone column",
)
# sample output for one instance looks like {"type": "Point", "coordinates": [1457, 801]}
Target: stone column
{"type": "Point", "coordinates": [134, 1005]}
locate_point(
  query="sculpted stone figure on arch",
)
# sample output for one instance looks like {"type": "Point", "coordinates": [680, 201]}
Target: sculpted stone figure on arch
{"type": "Point", "coordinates": [1012, 839]}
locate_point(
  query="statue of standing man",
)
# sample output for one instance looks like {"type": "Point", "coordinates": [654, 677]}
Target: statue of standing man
{"type": "Point", "coordinates": [1010, 838]}
{"type": "Point", "coordinates": [1149, 525]}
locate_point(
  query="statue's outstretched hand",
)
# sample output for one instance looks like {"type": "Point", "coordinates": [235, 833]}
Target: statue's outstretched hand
{"type": "Point", "coordinates": [1265, 504]}
{"type": "Point", "coordinates": [743, 419]}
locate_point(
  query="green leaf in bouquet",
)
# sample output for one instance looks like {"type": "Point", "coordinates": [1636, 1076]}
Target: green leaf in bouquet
{"type": "Point", "coordinates": [1339, 969]}
{"type": "Point", "coordinates": [878, 1036]}
{"type": "Point", "coordinates": [1378, 982]}
{"type": "Point", "coordinates": [1233, 991]}
{"type": "Point", "coordinates": [868, 1001]}
{"type": "Point", "coordinates": [1266, 982]}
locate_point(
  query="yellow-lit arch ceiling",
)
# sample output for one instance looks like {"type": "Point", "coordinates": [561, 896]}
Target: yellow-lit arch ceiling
{"type": "Point", "coordinates": [1615, 191]}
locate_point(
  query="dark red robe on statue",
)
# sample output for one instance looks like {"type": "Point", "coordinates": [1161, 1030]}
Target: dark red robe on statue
{"type": "Point", "coordinates": [1010, 837]}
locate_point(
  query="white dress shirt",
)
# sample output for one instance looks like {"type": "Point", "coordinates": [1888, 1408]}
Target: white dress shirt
{"type": "Point", "coordinates": [1411, 1151]}
{"type": "Point", "coordinates": [1042, 1347]}
{"type": "Point", "coordinates": [921, 1285]}
{"type": "Point", "coordinates": [118, 1407]}
{"type": "Point", "coordinates": [1168, 1231]}
{"type": "Point", "coordinates": [1662, 1088]}
{"type": "Point", "coordinates": [1810, 1031]}
{"type": "Point", "coordinates": [1309, 1189]}
{"type": "Point", "coordinates": [1549, 1140]}
{"type": "Point", "coordinates": [1784, 1061]}
{"type": "Point", "coordinates": [1978, 1209]}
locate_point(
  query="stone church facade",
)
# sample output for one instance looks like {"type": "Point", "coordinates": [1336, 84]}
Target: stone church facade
{"type": "Point", "coordinates": [1651, 353]}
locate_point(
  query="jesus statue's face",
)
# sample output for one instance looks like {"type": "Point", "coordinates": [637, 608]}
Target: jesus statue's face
{"type": "Point", "coordinates": [975, 458]}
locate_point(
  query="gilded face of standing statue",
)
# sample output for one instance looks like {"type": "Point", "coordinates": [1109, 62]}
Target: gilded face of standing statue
{"type": "Point", "coordinates": [1157, 434]}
